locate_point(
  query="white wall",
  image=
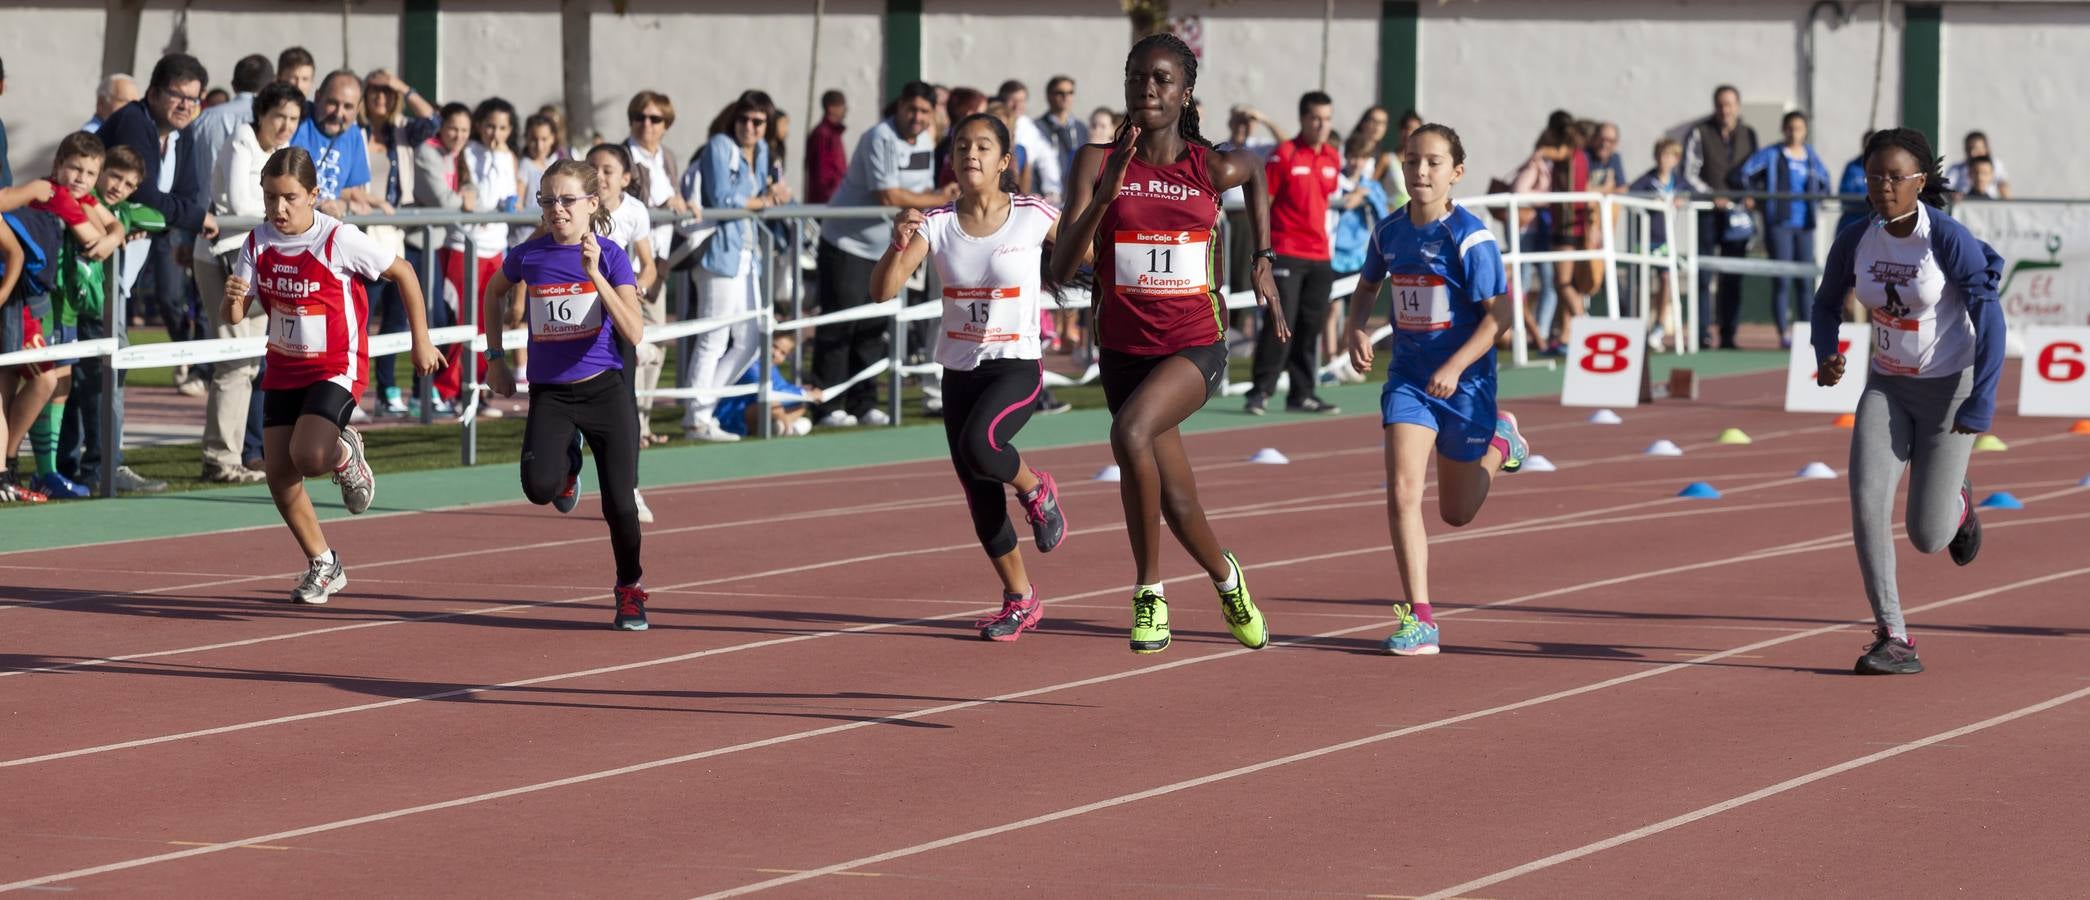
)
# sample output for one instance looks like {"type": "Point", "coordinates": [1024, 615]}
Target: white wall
{"type": "Point", "coordinates": [50, 83]}
{"type": "Point", "coordinates": [702, 61]}
{"type": "Point", "coordinates": [1494, 70]}
{"type": "Point", "coordinates": [1261, 52]}
{"type": "Point", "coordinates": [2017, 72]}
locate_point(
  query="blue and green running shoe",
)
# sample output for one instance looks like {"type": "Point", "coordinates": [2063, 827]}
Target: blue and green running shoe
{"type": "Point", "coordinates": [1414, 638]}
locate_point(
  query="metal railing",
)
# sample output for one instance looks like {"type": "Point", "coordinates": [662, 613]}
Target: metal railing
{"type": "Point", "coordinates": [1679, 259]}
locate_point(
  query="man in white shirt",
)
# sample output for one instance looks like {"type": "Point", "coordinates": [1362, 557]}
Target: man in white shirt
{"type": "Point", "coordinates": [1062, 126]}
{"type": "Point", "coordinates": [894, 165]}
{"type": "Point", "coordinates": [1044, 157]}
{"type": "Point", "coordinates": [214, 127]}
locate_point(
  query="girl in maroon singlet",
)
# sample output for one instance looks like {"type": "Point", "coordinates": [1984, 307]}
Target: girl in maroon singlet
{"type": "Point", "coordinates": [1144, 211]}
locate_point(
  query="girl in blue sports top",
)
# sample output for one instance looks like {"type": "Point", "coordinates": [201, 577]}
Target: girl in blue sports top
{"type": "Point", "coordinates": [1937, 356]}
{"type": "Point", "coordinates": [1448, 309]}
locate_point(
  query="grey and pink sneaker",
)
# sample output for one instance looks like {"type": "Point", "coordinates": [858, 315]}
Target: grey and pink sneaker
{"type": "Point", "coordinates": [1018, 615]}
{"type": "Point", "coordinates": [1041, 508]}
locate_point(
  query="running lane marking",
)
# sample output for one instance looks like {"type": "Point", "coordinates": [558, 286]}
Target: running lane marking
{"type": "Point", "coordinates": [281, 836]}
{"type": "Point", "coordinates": [1381, 737]}
{"type": "Point", "coordinates": [1707, 812]}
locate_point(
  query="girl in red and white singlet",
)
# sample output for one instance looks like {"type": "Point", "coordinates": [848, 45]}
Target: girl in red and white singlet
{"type": "Point", "coordinates": [304, 267]}
{"type": "Point", "coordinates": [1144, 212]}
{"type": "Point", "coordinates": [987, 247]}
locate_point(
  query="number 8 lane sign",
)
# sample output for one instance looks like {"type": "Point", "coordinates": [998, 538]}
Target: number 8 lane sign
{"type": "Point", "coordinates": [2056, 379]}
{"type": "Point", "coordinates": [1605, 359]}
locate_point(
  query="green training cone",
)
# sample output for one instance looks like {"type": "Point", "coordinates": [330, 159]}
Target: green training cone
{"type": "Point", "coordinates": [1990, 442]}
{"type": "Point", "coordinates": [1733, 436]}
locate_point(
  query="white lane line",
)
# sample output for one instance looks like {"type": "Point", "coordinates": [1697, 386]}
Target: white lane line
{"type": "Point", "coordinates": [757, 481]}
{"type": "Point", "coordinates": [1797, 547]}
{"type": "Point", "coordinates": [1224, 512]}
{"type": "Point", "coordinates": [1319, 752]}
{"type": "Point", "coordinates": [1707, 812]}
{"type": "Point", "coordinates": [1572, 521]}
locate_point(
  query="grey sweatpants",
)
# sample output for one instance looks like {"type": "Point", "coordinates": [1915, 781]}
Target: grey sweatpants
{"type": "Point", "coordinates": [1905, 422]}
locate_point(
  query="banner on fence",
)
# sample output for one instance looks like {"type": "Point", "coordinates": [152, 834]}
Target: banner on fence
{"type": "Point", "coordinates": [2046, 258]}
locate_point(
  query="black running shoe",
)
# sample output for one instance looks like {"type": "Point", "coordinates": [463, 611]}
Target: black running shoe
{"type": "Point", "coordinates": [1313, 405]}
{"type": "Point", "coordinates": [1966, 543]}
{"type": "Point", "coordinates": [1041, 508]}
{"type": "Point", "coordinates": [1889, 656]}
{"type": "Point", "coordinates": [1257, 404]}
{"type": "Point", "coordinates": [631, 608]}
{"type": "Point", "coordinates": [570, 496]}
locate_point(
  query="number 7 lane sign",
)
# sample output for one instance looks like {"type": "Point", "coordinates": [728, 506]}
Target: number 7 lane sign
{"type": "Point", "coordinates": [1804, 394]}
{"type": "Point", "coordinates": [1605, 359]}
{"type": "Point", "coordinates": [2054, 382]}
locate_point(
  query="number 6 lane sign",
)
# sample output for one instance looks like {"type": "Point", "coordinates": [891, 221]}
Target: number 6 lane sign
{"type": "Point", "coordinates": [1605, 359]}
{"type": "Point", "coordinates": [2056, 378]}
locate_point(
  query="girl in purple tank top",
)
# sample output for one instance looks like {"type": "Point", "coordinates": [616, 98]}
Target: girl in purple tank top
{"type": "Point", "coordinates": [581, 299]}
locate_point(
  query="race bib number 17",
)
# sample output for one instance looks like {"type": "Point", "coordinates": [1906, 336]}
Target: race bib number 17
{"type": "Point", "coordinates": [299, 331]}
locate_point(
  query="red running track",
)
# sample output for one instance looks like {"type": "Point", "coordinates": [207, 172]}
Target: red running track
{"type": "Point", "coordinates": [1640, 694]}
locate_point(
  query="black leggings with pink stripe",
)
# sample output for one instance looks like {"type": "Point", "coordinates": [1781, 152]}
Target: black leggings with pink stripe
{"type": "Point", "coordinates": [982, 410]}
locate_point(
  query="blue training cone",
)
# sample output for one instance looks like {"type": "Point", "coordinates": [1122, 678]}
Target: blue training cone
{"type": "Point", "coordinates": [2084, 483]}
{"type": "Point", "coordinates": [2002, 500]}
{"type": "Point", "coordinates": [1699, 490]}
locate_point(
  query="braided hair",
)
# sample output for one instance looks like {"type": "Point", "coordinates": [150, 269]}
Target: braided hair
{"type": "Point", "coordinates": [1918, 148]}
{"type": "Point", "coordinates": [1186, 126]}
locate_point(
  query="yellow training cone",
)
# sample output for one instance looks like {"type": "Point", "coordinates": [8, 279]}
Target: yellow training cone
{"type": "Point", "coordinates": [1990, 442]}
{"type": "Point", "coordinates": [1733, 436]}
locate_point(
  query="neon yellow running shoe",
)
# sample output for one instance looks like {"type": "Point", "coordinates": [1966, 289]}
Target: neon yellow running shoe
{"type": "Point", "coordinates": [1242, 618]}
{"type": "Point", "coordinates": [1149, 622]}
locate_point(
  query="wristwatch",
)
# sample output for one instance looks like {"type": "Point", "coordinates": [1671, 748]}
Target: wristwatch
{"type": "Point", "coordinates": [1266, 253]}
{"type": "Point", "coordinates": [496, 355]}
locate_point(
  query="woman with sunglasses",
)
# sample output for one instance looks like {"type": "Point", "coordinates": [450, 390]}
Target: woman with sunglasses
{"type": "Point", "coordinates": [582, 297]}
{"type": "Point", "coordinates": [651, 114]}
{"type": "Point", "coordinates": [1930, 287]}
{"type": "Point", "coordinates": [736, 173]}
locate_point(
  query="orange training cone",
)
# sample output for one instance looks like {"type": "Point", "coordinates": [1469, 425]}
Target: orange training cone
{"type": "Point", "coordinates": [1847, 420]}
{"type": "Point", "coordinates": [2081, 426]}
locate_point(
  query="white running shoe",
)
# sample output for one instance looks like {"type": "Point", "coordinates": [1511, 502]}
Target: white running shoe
{"type": "Point", "coordinates": [645, 512]}
{"type": "Point", "coordinates": [876, 418]}
{"type": "Point", "coordinates": [708, 430]}
{"type": "Point", "coordinates": [358, 483]}
{"type": "Point", "coordinates": [839, 419]}
{"type": "Point", "coordinates": [322, 580]}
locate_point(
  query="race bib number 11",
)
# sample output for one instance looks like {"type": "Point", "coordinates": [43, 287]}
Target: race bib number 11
{"type": "Point", "coordinates": [1162, 263]}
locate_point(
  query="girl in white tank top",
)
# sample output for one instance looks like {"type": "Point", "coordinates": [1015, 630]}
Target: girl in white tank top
{"type": "Point", "coordinates": [989, 251]}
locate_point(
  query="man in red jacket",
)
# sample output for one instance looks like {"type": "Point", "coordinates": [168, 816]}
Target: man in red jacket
{"type": "Point", "coordinates": [827, 160]}
{"type": "Point", "coordinates": [1301, 175]}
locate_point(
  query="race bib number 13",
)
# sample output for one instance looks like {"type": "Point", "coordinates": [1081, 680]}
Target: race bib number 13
{"type": "Point", "coordinates": [1162, 263]}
